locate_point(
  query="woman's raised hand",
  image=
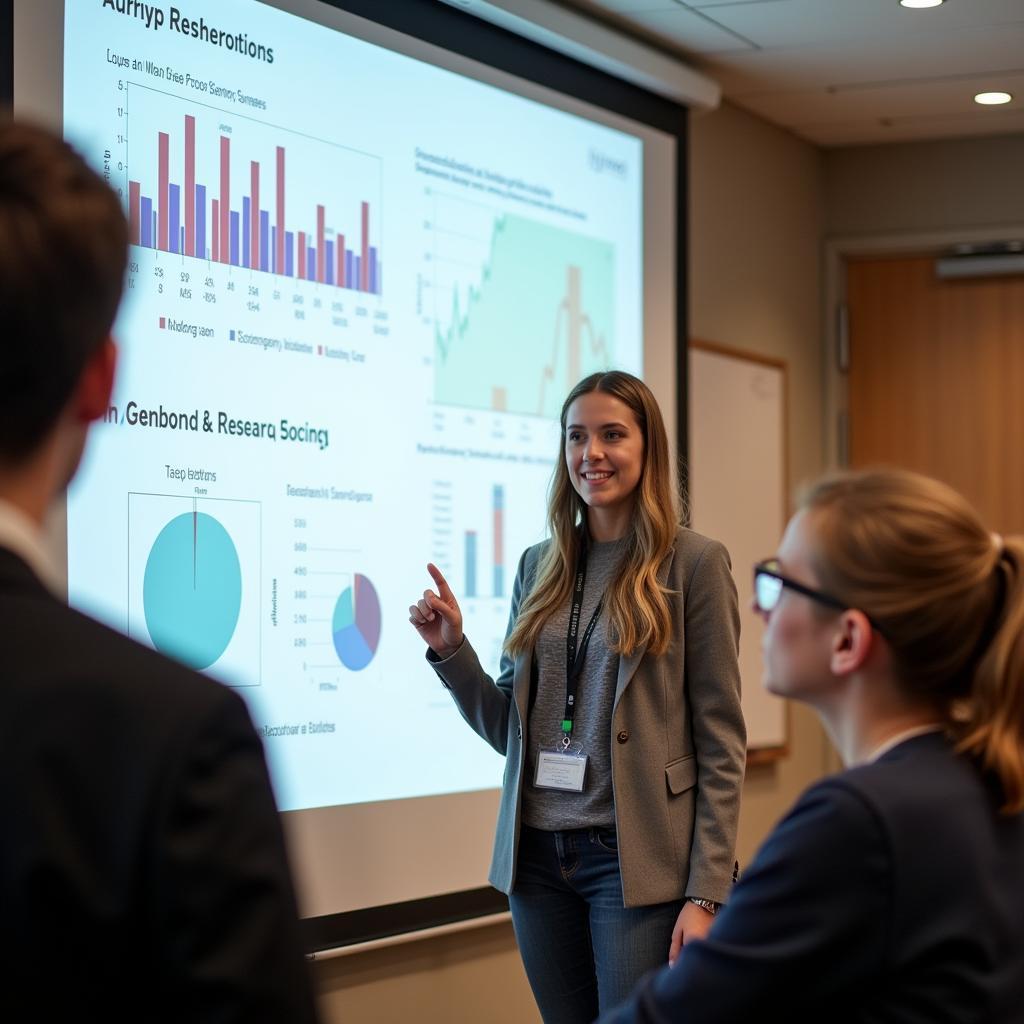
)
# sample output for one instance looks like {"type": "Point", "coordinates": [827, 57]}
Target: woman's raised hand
{"type": "Point", "coordinates": [437, 617]}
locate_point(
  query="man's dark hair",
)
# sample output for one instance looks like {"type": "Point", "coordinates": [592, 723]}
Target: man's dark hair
{"type": "Point", "coordinates": [63, 249]}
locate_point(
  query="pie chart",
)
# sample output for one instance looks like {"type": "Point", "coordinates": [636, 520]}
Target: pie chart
{"type": "Point", "coordinates": [192, 589]}
{"type": "Point", "coordinates": [356, 624]}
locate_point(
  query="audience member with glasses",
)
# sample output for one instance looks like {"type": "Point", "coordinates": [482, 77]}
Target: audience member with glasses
{"type": "Point", "coordinates": [894, 890]}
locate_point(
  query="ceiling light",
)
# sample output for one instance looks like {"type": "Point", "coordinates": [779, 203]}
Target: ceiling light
{"type": "Point", "coordinates": [919, 4]}
{"type": "Point", "coordinates": [992, 99]}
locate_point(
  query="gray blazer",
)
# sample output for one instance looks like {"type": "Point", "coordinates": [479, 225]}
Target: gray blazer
{"type": "Point", "coordinates": [678, 739]}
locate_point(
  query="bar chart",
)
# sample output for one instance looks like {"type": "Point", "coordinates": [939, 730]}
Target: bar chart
{"type": "Point", "coordinates": [479, 548]}
{"type": "Point", "coordinates": [231, 189]}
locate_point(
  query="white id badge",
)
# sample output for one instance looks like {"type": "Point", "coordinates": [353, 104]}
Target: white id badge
{"type": "Point", "coordinates": [559, 770]}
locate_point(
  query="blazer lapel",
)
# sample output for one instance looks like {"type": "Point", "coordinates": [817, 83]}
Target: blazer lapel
{"type": "Point", "coordinates": [629, 663]}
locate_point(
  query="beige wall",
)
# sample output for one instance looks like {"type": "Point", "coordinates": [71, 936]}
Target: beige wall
{"type": "Point", "coordinates": [924, 186]}
{"type": "Point", "coordinates": [754, 251]}
{"type": "Point", "coordinates": [755, 284]}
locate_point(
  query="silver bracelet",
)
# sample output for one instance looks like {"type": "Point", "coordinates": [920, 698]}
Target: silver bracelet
{"type": "Point", "coordinates": [709, 905]}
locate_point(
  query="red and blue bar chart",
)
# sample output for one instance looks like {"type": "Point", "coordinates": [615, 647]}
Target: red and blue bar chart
{"type": "Point", "coordinates": [242, 211]}
{"type": "Point", "coordinates": [470, 539]}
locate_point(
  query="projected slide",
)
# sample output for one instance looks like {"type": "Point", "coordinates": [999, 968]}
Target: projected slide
{"type": "Point", "coordinates": [359, 289]}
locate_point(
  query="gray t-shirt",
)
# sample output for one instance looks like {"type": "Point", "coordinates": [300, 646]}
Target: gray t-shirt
{"type": "Point", "coordinates": [556, 809]}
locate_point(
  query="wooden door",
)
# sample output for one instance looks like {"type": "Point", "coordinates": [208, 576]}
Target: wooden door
{"type": "Point", "coordinates": [936, 379]}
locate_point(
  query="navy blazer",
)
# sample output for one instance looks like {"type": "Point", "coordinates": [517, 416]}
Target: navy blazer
{"type": "Point", "coordinates": [891, 892]}
{"type": "Point", "coordinates": [142, 866]}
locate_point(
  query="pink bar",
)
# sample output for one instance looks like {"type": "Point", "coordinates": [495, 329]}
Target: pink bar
{"type": "Point", "coordinates": [339, 277]}
{"type": "Point", "coordinates": [133, 211]}
{"type": "Point", "coordinates": [300, 261]}
{"type": "Point", "coordinates": [280, 210]}
{"type": "Point", "coordinates": [364, 263]}
{"type": "Point", "coordinates": [162, 191]}
{"type": "Point", "coordinates": [215, 244]}
{"type": "Point", "coordinates": [499, 541]}
{"type": "Point", "coordinates": [321, 262]}
{"type": "Point", "coordinates": [225, 197]}
{"type": "Point", "coordinates": [190, 185]}
{"type": "Point", "coordinates": [254, 216]}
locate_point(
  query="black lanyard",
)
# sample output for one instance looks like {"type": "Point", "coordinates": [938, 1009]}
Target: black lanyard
{"type": "Point", "coordinates": [574, 655]}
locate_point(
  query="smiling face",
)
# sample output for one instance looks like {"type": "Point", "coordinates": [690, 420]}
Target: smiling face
{"type": "Point", "coordinates": [801, 636]}
{"type": "Point", "coordinates": [604, 453]}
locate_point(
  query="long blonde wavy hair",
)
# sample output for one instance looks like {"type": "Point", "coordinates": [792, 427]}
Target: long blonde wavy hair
{"type": "Point", "coordinates": [947, 595]}
{"type": "Point", "coordinates": [638, 605]}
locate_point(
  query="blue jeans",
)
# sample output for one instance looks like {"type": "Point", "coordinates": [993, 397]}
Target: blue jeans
{"type": "Point", "coordinates": [582, 949]}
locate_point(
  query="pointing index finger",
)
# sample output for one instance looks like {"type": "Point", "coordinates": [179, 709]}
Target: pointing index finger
{"type": "Point", "coordinates": [443, 590]}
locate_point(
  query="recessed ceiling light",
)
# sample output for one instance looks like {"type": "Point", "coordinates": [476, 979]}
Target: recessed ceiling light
{"type": "Point", "coordinates": [919, 4]}
{"type": "Point", "coordinates": [992, 99]}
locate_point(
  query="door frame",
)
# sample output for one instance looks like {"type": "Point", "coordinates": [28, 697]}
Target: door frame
{"type": "Point", "coordinates": [837, 251]}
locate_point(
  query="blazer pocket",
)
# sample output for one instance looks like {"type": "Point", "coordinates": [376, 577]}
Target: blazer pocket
{"type": "Point", "coordinates": [681, 774]}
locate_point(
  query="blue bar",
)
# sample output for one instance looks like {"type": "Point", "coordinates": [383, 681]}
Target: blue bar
{"type": "Point", "coordinates": [310, 263]}
{"type": "Point", "coordinates": [174, 209]}
{"type": "Point", "coordinates": [498, 505]}
{"type": "Point", "coordinates": [264, 240]}
{"type": "Point", "coordinates": [348, 270]}
{"type": "Point", "coordinates": [146, 218]}
{"type": "Point", "coordinates": [200, 220]}
{"type": "Point", "coordinates": [246, 231]}
{"type": "Point", "coordinates": [372, 279]}
{"type": "Point", "coordinates": [289, 256]}
{"type": "Point", "coordinates": [358, 280]}
{"type": "Point", "coordinates": [234, 238]}
{"type": "Point", "coordinates": [329, 260]}
{"type": "Point", "coordinates": [470, 564]}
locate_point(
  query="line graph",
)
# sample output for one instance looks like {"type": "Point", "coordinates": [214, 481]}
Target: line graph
{"type": "Point", "coordinates": [524, 310]}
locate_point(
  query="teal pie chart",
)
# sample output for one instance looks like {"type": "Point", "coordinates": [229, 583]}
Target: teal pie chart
{"type": "Point", "coordinates": [192, 589]}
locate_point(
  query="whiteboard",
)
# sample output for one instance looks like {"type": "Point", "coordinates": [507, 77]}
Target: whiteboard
{"type": "Point", "coordinates": [738, 494]}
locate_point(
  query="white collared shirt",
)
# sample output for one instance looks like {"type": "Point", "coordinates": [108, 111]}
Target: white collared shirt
{"type": "Point", "coordinates": [902, 737]}
{"type": "Point", "coordinates": [20, 535]}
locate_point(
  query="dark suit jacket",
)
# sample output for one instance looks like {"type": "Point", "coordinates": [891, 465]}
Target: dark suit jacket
{"type": "Point", "coordinates": [891, 892]}
{"type": "Point", "coordinates": [142, 867]}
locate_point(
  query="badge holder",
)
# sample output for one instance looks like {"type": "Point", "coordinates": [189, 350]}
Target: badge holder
{"type": "Point", "coordinates": [563, 768]}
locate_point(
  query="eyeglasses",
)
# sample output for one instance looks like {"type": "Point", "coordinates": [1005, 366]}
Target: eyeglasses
{"type": "Point", "coordinates": [769, 584]}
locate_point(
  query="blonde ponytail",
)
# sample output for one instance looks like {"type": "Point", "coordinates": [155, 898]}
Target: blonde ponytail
{"type": "Point", "coordinates": [992, 725]}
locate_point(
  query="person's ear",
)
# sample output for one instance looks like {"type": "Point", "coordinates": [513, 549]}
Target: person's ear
{"type": "Point", "coordinates": [852, 642]}
{"type": "Point", "coordinates": [96, 384]}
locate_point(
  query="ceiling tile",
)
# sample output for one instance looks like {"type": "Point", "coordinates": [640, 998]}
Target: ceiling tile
{"type": "Point", "coordinates": [968, 51]}
{"type": "Point", "coordinates": [845, 71]}
{"type": "Point", "coordinates": [690, 32]}
{"type": "Point", "coordinates": [796, 23]}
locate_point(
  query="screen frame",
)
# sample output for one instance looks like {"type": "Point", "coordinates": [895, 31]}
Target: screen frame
{"type": "Point", "coordinates": [468, 36]}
